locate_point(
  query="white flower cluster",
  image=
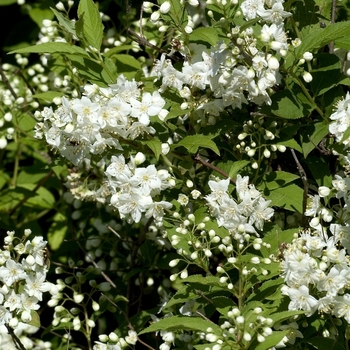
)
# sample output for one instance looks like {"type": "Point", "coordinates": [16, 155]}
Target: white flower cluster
{"type": "Point", "coordinates": [23, 269]}
{"type": "Point", "coordinates": [233, 73]}
{"type": "Point", "coordinates": [240, 218]}
{"type": "Point", "coordinates": [341, 118]}
{"type": "Point", "coordinates": [316, 269]}
{"type": "Point", "coordinates": [94, 127]}
{"type": "Point", "coordinates": [95, 123]}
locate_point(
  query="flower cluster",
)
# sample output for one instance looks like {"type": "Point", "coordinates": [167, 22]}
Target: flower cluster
{"type": "Point", "coordinates": [233, 72]}
{"type": "Point", "coordinates": [243, 217]}
{"type": "Point", "coordinates": [341, 123]}
{"type": "Point", "coordinates": [93, 128]}
{"type": "Point", "coordinates": [23, 269]}
{"type": "Point", "coordinates": [316, 270]}
{"type": "Point", "coordinates": [94, 123]}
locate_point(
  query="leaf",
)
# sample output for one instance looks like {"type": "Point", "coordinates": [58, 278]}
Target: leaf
{"type": "Point", "coordinates": [325, 343]}
{"type": "Point", "coordinates": [193, 142]}
{"type": "Point", "coordinates": [57, 231]}
{"type": "Point", "coordinates": [127, 63]}
{"type": "Point", "coordinates": [93, 27]}
{"type": "Point", "coordinates": [277, 179]}
{"type": "Point", "coordinates": [38, 14]}
{"type": "Point", "coordinates": [65, 22]}
{"type": "Point", "coordinates": [312, 135]}
{"type": "Point", "coordinates": [35, 321]}
{"type": "Point", "coordinates": [178, 323]}
{"type": "Point", "coordinates": [115, 50]}
{"type": "Point", "coordinates": [289, 197]}
{"type": "Point", "coordinates": [155, 145]}
{"type": "Point", "coordinates": [271, 340]}
{"type": "Point", "coordinates": [60, 48]}
{"type": "Point", "coordinates": [206, 35]}
{"type": "Point", "coordinates": [320, 37]}
{"type": "Point", "coordinates": [7, 2]}
{"type": "Point", "coordinates": [287, 104]}
{"type": "Point", "coordinates": [236, 167]}
{"type": "Point", "coordinates": [48, 96]}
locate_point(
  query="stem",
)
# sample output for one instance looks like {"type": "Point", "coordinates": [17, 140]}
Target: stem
{"type": "Point", "coordinates": [198, 158]}
{"type": "Point", "coordinates": [15, 339]}
{"type": "Point", "coordinates": [306, 186]}
{"type": "Point", "coordinates": [309, 97]}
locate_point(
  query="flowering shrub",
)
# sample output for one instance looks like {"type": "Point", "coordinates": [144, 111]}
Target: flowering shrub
{"type": "Point", "coordinates": [187, 163]}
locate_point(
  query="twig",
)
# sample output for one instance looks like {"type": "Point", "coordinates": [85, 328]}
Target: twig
{"type": "Point", "coordinates": [16, 340]}
{"type": "Point", "coordinates": [306, 186]}
{"type": "Point", "coordinates": [198, 158]}
{"type": "Point", "coordinates": [334, 6]}
{"type": "Point", "coordinates": [6, 82]}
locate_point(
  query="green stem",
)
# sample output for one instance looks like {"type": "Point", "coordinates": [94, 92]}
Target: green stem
{"type": "Point", "coordinates": [309, 97]}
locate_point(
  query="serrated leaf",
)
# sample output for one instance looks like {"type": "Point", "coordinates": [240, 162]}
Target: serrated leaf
{"type": "Point", "coordinates": [127, 63]}
{"type": "Point", "coordinates": [60, 48]}
{"type": "Point", "coordinates": [93, 27]}
{"type": "Point", "coordinates": [236, 167]}
{"type": "Point", "coordinates": [65, 22]}
{"type": "Point", "coordinates": [177, 323]}
{"type": "Point", "coordinates": [318, 38]}
{"type": "Point", "coordinates": [193, 142]}
{"type": "Point", "coordinates": [289, 197]}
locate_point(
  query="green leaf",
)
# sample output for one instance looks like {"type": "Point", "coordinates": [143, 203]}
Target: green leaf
{"type": "Point", "coordinates": [116, 50]}
{"type": "Point", "coordinates": [286, 104]}
{"type": "Point", "coordinates": [325, 343]}
{"type": "Point", "coordinates": [320, 170]}
{"type": "Point", "coordinates": [35, 321]}
{"type": "Point", "coordinates": [60, 48]}
{"type": "Point", "coordinates": [236, 167]}
{"type": "Point", "coordinates": [276, 179]}
{"type": "Point", "coordinates": [65, 22]}
{"type": "Point", "coordinates": [93, 27]}
{"type": "Point", "coordinates": [207, 35]}
{"type": "Point", "coordinates": [7, 2]}
{"type": "Point", "coordinates": [193, 142]}
{"type": "Point", "coordinates": [312, 135]}
{"type": "Point", "coordinates": [48, 96]}
{"type": "Point", "coordinates": [57, 231]}
{"type": "Point", "coordinates": [38, 14]}
{"type": "Point", "coordinates": [271, 340]}
{"type": "Point", "coordinates": [155, 145]}
{"type": "Point", "coordinates": [318, 38]}
{"type": "Point", "coordinates": [289, 197]}
{"type": "Point", "coordinates": [178, 323]}
{"type": "Point", "coordinates": [127, 63]}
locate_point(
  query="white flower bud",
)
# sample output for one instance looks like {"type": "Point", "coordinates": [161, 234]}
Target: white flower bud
{"type": "Point", "coordinates": [139, 158]}
{"type": "Point", "coordinates": [255, 260]}
{"type": "Point", "coordinates": [323, 191]}
{"type": "Point", "coordinates": [281, 148]}
{"type": "Point", "coordinates": [307, 56]}
{"type": "Point", "coordinates": [267, 153]}
{"type": "Point", "coordinates": [174, 262]}
{"type": "Point", "coordinates": [78, 298]}
{"type": "Point", "coordinates": [273, 63]}
{"type": "Point", "coordinates": [113, 337]}
{"type": "Point", "coordinates": [240, 319]}
{"type": "Point", "coordinates": [307, 77]}
{"type": "Point", "coordinates": [165, 7]}
{"type": "Point", "coordinates": [155, 16]}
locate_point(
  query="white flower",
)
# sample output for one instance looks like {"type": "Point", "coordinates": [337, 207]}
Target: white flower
{"type": "Point", "coordinates": [131, 338]}
{"type": "Point", "coordinates": [13, 272]}
{"type": "Point", "coordinates": [301, 299]}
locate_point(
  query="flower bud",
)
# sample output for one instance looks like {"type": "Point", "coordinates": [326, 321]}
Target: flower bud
{"type": "Point", "coordinates": [165, 7]}
{"type": "Point", "coordinates": [307, 77]}
{"type": "Point", "coordinates": [307, 56]}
